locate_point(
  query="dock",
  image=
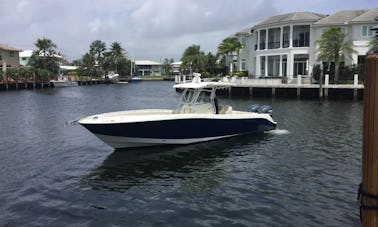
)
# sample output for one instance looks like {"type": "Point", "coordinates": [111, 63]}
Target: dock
{"type": "Point", "coordinates": [300, 87]}
{"type": "Point", "coordinates": [17, 85]}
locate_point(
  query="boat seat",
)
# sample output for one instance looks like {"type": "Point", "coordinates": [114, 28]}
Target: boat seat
{"type": "Point", "coordinates": [225, 110]}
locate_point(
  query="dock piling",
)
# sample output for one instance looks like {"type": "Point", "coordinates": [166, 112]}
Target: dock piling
{"type": "Point", "coordinates": [368, 191]}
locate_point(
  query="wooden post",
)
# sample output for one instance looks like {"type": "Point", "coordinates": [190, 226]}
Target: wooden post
{"type": "Point", "coordinates": [368, 191]}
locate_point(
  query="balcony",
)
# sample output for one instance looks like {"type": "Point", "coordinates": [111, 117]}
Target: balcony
{"type": "Point", "coordinates": [273, 45]}
{"type": "Point", "coordinates": [301, 43]}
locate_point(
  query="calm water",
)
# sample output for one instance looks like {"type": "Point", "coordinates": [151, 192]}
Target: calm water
{"type": "Point", "coordinates": [304, 174]}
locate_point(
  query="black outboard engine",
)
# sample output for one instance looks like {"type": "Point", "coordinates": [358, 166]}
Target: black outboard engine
{"type": "Point", "coordinates": [257, 108]}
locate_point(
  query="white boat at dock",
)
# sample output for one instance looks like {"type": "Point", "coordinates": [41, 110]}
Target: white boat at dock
{"type": "Point", "coordinates": [63, 81]}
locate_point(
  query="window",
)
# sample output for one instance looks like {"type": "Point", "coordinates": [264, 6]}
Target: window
{"type": "Point", "coordinates": [243, 40]}
{"type": "Point", "coordinates": [1, 58]}
{"type": "Point", "coordinates": [11, 54]}
{"type": "Point", "coordinates": [243, 65]}
{"type": "Point", "coordinates": [366, 31]}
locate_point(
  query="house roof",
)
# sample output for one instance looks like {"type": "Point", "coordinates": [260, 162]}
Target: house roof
{"type": "Point", "coordinates": [291, 17]}
{"type": "Point", "coordinates": [176, 63]}
{"type": "Point", "coordinates": [9, 48]}
{"type": "Point", "coordinates": [369, 16]}
{"type": "Point", "coordinates": [340, 18]}
{"type": "Point", "coordinates": [146, 62]}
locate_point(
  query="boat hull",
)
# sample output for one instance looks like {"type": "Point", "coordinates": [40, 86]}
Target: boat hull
{"type": "Point", "coordinates": [57, 83]}
{"type": "Point", "coordinates": [175, 131]}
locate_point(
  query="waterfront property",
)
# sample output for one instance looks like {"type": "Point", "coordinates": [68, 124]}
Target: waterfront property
{"type": "Point", "coordinates": [285, 45]}
{"type": "Point", "coordinates": [148, 68]}
{"type": "Point", "coordinates": [9, 57]}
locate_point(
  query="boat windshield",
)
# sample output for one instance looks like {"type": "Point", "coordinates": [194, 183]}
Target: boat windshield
{"type": "Point", "coordinates": [196, 101]}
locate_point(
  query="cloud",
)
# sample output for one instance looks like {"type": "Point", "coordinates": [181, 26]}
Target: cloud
{"type": "Point", "coordinates": [148, 29]}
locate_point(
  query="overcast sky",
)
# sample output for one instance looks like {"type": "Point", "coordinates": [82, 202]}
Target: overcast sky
{"type": "Point", "coordinates": [147, 29]}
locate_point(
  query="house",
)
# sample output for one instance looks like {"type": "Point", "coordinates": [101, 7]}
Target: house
{"type": "Point", "coordinates": [285, 45]}
{"type": "Point", "coordinates": [9, 57]}
{"type": "Point", "coordinates": [25, 57]}
{"type": "Point", "coordinates": [148, 68]}
{"type": "Point", "coordinates": [176, 67]}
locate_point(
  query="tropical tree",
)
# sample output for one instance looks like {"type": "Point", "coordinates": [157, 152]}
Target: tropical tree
{"type": "Point", "coordinates": [373, 44]}
{"type": "Point", "coordinates": [87, 65]}
{"type": "Point", "coordinates": [228, 47]}
{"type": "Point", "coordinates": [116, 55]}
{"type": "Point", "coordinates": [167, 67]}
{"type": "Point", "coordinates": [97, 50]}
{"type": "Point", "coordinates": [194, 59]}
{"type": "Point", "coordinates": [45, 56]}
{"type": "Point", "coordinates": [332, 47]}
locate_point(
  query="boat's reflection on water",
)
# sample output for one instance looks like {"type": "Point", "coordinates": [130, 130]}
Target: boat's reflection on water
{"type": "Point", "coordinates": [124, 169]}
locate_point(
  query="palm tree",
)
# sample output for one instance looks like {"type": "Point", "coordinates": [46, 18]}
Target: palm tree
{"type": "Point", "coordinates": [46, 51]}
{"type": "Point", "coordinates": [228, 47]}
{"type": "Point", "coordinates": [88, 65]}
{"type": "Point", "coordinates": [194, 58]}
{"type": "Point", "coordinates": [116, 54]}
{"type": "Point", "coordinates": [334, 48]}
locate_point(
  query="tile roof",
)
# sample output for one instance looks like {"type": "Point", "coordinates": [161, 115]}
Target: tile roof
{"type": "Point", "coordinates": [6, 47]}
{"type": "Point", "coordinates": [291, 17]}
{"type": "Point", "coordinates": [369, 16]}
{"type": "Point", "coordinates": [341, 17]}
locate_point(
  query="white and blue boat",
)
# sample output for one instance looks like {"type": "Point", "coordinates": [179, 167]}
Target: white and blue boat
{"type": "Point", "coordinates": [198, 118]}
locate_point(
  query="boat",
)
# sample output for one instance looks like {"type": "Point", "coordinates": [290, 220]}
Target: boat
{"type": "Point", "coordinates": [198, 118]}
{"type": "Point", "coordinates": [63, 81]}
{"type": "Point", "coordinates": [111, 78]}
{"type": "Point", "coordinates": [136, 78]}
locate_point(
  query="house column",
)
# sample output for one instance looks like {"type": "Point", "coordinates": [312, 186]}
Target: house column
{"type": "Point", "coordinates": [266, 66]}
{"type": "Point", "coordinates": [258, 40]}
{"type": "Point", "coordinates": [266, 38]}
{"type": "Point", "coordinates": [291, 36]}
{"type": "Point", "coordinates": [290, 65]}
{"type": "Point", "coordinates": [281, 39]}
{"type": "Point", "coordinates": [281, 62]}
{"type": "Point", "coordinates": [258, 66]}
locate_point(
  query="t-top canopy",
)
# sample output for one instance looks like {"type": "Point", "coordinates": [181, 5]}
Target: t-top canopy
{"type": "Point", "coordinates": [197, 84]}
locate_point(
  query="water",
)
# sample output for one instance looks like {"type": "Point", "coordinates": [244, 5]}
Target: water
{"type": "Point", "coordinates": [305, 173]}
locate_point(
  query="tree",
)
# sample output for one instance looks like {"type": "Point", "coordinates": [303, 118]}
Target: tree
{"type": "Point", "coordinates": [97, 50]}
{"type": "Point", "coordinates": [194, 59]}
{"type": "Point", "coordinates": [88, 65]}
{"type": "Point", "coordinates": [45, 56]}
{"type": "Point", "coordinates": [116, 55]}
{"type": "Point", "coordinates": [167, 67]}
{"type": "Point", "coordinates": [334, 48]}
{"type": "Point", "coordinates": [373, 45]}
{"type": "Point", "coordinates": [228, 47]}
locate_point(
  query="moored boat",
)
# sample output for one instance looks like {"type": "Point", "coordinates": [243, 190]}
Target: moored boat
{"type": "Point", "coordinates": [198, 118]}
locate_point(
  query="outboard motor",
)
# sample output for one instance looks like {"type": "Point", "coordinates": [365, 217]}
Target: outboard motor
{"type": "Point", "coordinates": [257, 108]}
{"type": "Point", "coordinates": [253, 108]}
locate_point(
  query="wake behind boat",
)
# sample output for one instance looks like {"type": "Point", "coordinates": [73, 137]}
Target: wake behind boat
{"type": "Point", "coordinates": [198, 118]}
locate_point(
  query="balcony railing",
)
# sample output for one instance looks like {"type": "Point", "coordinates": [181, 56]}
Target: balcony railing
{"type": "Point", "coordinates": [273, 45]}
{"type": "Point", "coordinates": [301, 43]}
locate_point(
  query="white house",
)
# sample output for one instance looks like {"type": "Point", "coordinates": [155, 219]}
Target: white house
{"type": "Point", "coordinates": [176, 67]}
{"type": "Point", "coordinates": [148, 68]}
{"type": "Point", "coordinates": [284, 45]}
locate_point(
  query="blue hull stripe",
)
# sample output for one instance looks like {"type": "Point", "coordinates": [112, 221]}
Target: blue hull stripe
{"type": "Point", "coordinates": [182, 128]}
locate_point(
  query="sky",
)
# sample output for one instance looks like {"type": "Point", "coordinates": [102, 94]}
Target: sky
{"type": "Point", "coordinates": [147, 29]}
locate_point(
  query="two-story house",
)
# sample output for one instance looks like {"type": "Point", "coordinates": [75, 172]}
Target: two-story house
{"type": "Point", "coordinates": [9, 57]}
{"type": "Point", "coordinates": [285, 45]}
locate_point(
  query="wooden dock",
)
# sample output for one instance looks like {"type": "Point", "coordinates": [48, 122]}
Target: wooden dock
{"type": "Point", "coordinates": [300, 87]}
{"type": "Point", "coordinates": [12, 85]}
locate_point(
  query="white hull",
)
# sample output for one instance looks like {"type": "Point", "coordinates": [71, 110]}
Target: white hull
{"type": "Point", "coordinates": [64, 83]}
{"type": "Point", "coordinates": [128, 142]}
